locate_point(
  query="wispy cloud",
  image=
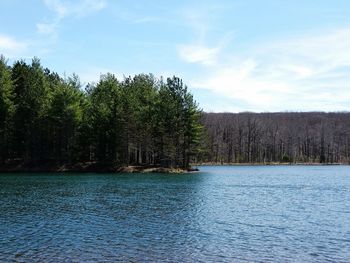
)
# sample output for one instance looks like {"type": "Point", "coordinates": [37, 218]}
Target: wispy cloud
{"type": "Point", "coordinates": [75, 8]}
{"type": "Point", "coordinates": [307, 72]}
{"type": "Point", "coordinates": [59, 7]}
{"type": "Point", "coordinates": [46, 28]}
{"type": "Point", "coordinates": [92, 74]}
{"type": "Point", "coordinates": [146, 19]}
{"type": "Point", "coordinates": [62, 9]}
{"type": "Point", "coordinates": [198, 54]}
{"type": "Point", "coordinates": [203, 17]}
{"type": "Point", "coordinates": [11, 47]}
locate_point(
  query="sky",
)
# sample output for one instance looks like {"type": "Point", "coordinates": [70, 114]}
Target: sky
{"type": "Point", "coordinates": [234, 55]}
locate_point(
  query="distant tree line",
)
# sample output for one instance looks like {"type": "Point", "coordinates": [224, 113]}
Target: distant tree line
{"type": "Point", "coordinates": [140, 120]}
{"type": "Point", "coordinates": [314, 137]}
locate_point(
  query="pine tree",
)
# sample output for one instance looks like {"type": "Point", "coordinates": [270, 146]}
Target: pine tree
{"type": "Point", "coordinates": [6, 109]}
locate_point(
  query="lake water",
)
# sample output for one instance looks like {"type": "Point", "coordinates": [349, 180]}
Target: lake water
{"type": "Point", "coordinates": [221, 214]}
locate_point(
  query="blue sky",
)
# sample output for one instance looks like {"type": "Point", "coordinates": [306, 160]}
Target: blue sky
{"type": "Point", "coordinates": [237, 55]}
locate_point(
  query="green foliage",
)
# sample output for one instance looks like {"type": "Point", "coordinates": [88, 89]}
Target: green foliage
{"type": "Point", "coordinates": [65, 114]}
{"type": "Point", "coordinates": [141, 120]}
{"type": "Point", "coordinates": [105, 117]}
{"type": "Point", "coordinates": [31, 100]}
{"type": "Point", "coordinates": [285, 158]}
{"type": "Point", "coordinates": [6, 108]}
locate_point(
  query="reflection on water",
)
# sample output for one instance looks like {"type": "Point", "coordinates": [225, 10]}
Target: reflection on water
{"type": "Point", "coordinates": [220, 214]}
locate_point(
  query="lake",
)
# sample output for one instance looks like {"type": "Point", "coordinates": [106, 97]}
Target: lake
{"type": "Point", "coordinates": [221, 214]}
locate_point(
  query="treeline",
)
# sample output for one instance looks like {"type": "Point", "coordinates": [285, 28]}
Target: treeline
{"type": "Point", "coordinates": [143, 120]}
{"type": "Point", "coordinates": [313, 137]}
{"type": "Point", "coordinates": [140, 120]}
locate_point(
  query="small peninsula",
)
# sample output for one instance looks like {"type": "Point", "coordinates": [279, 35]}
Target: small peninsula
{"type": "Point", "coordinates": [53, 123]}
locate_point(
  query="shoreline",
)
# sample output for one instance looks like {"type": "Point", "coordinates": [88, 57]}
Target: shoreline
{"type": "Point", "coordinates": [17, 166]}
{"type": "Point", "coordinates": [267, 164]}
{"type": "Point", "coordinates": [86, 167]}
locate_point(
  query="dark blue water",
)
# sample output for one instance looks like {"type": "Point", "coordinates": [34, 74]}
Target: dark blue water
{"type": "Point", "coordinates": [222, 214]}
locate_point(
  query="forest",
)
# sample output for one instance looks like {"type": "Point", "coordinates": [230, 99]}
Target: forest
{"type": "Point", "coordinates": [148, 121]}
{"type": "Point", "coordinates": [287, 137]}
{"type": "Point", "coordinates": [140, 120]}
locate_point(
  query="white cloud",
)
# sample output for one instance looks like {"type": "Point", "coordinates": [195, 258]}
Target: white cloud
{"type": "Point", "coordinates": [310, 72]}
{"type": "Point", "coordinates": [147, 19]}
{"type": "Point", "coordinates": [11, 47]}
{"type": "Point", "coordinates": [198, 54]}
{"type": "Point", "coordinates": [202, 54]}
{"type": "Point", "coordinates": [62, 9]}
{"type": "Point", "coordinates": [238, 83]}
{"type": "Point", "coordinates": [76, 8]}
{"type": "Point", "coordinates": [46, 28]}
{"type": "Point", "coordinates": [299, 70]}
{"type": "Point", "coordinates": [8, 43]}
{"type": "Point", "coordinates": [59, 7]}
{"type": "Point", "coordinates": [202, 18]}
{"type": "Point", "coordinates": [317, 53]}
{"type": "Point", "coordinates": [92, 74]}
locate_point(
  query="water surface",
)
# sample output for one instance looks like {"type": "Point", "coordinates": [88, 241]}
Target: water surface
{"type": "Point", "coordinates": [221, 214]}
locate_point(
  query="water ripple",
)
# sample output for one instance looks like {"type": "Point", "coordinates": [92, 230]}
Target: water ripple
{"type": "Point", "coordinates": [225, 214]}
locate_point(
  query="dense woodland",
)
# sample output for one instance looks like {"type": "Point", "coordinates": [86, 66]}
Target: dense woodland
{"type": "Point", "coordinates": [139, 120]}
{"type": "Point", "coordinates": [310, 137]}
{"type": "Point", "coordinates": [143, 120]}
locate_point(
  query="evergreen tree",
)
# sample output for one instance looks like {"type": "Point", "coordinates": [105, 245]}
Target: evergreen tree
{"type": "Point", "coordinates": [6, 109]}
{"type": "Point", "coordinates": [105, 118]}
{"type": "Point", "coordinates": [65, 115]}
{"type": "Point", "coordinates": [141, 120]}
{"type": "Point", "coordinates": [31, 103]}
